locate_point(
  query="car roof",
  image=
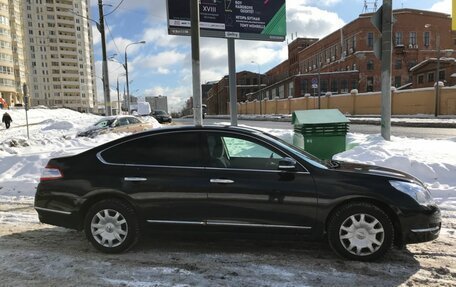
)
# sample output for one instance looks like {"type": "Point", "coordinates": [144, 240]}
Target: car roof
{"type": "Point", "coordinates": [245, 130]}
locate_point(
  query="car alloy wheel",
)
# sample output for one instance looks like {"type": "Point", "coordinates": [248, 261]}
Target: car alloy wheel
{"type": "Point", "coordinates": [360, 231]}
{"type": "Point", "coordinates": [361, 234]}
{"type": "Point", "coordinates": [111, 226]}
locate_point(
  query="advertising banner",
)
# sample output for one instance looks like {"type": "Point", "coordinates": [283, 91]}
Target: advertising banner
{"type": "Point", "coordinates": [239, 19]}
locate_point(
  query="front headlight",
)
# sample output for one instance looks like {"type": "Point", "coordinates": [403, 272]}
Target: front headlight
{"type": "Point", "coordinates": [414, 190]}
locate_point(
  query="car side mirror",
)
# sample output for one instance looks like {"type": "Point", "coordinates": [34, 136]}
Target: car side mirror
{"type": "Point", "coordinates": [287, 163]}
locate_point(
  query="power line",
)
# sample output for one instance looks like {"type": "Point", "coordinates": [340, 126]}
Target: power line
{"type": "Point", "coordinates": [112, 37]}
{"type": "Point", "coordinates": [114, 10]}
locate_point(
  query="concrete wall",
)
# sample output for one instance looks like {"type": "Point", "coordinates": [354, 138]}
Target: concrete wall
{"type": "Point", "coordinates": [408, 102]}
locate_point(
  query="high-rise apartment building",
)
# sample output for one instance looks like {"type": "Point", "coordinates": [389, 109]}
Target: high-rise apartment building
{"type": "Point", "coordinates": [60, 53]}
{"type": "Point", "coordinates": [12, 63]}
{"type": "Point", "coordinates": [158, 103]}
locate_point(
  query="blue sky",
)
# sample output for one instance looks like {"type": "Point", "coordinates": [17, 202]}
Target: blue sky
{"type": "Point", "coordinates": [162, 66]}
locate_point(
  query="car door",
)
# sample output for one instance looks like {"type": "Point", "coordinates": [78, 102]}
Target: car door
{"type": "Point", "coordinates": [163, 174]}
{"type": "Point", "coordinates": [247, 188]}
{"type": "Point", "coordinates": [121, 125]}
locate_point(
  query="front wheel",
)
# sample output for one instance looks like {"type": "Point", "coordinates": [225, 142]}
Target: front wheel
{"type": "Point", "coordinates": [360, 231]}
{"type": "Point", "coordinates": [111, 226]}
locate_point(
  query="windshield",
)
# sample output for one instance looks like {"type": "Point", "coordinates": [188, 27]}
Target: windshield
{"type": "Point", "coordinates": [160, 113]}
{"type": "Point", "coordinates": [104, 123]}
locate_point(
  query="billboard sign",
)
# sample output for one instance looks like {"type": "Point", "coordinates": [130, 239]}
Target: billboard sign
{"type": "Point", "coordinates": [238, 19]}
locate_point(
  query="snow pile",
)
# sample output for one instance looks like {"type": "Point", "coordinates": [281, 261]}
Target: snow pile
{"type": "Point", "coordinates": [52, 133]}
{"type": "Point", "coordinates": [432, 161]}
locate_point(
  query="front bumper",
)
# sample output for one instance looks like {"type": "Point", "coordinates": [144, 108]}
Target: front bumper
{"type": "Point", "coordinates": [422, 226]}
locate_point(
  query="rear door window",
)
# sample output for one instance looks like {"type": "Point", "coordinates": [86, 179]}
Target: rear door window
{"type": "Point", "coordinates": [169, 149]}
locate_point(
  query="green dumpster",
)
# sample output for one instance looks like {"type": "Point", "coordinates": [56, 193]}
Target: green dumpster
{"type": "Point", "coordinates": [320, 132]}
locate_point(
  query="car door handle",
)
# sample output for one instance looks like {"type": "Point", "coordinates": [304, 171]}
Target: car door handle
{"type": "Point", "coordinates": [222, 181]}
{"type": "Point", "coordinates": [135, 179]}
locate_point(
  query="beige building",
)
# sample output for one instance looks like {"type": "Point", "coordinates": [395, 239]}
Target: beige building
{"type": "Point", "coordinates": [12, 63]}
{"type": "Point", "coordinates": [60, 53]}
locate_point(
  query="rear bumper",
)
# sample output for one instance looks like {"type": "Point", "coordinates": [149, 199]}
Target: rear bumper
{"type": "Point", "coordinates": [58, 218]}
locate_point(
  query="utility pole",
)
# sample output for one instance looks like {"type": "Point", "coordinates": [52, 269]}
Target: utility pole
{"type": "Point", "coordinates": [319, 79]}
{"type": "Point", "coordinates": [101, 29]}
{"type": "Point", "coordinates": [387, 27]}
{"type": "Point", "coordinates": [196, 68]}
{"type": "Point", "coordinates": [118, 98]}
{"type": "Point", "coordinates": [437, 75]}
{"type": "Point", "coordinates": [383, 21]}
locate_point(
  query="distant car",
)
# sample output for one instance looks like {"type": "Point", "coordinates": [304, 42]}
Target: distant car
{"type": "Point", "coordinates": [204, 107]}
{"type": "Point", "coordinates": [232, 179]}
{"type": "Point", "coordinates": [162, 116]}
{"type": "Point", "coordinates": [116, 124]}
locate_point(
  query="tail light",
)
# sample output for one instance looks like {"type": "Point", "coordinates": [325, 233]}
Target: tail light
{"type": "Point", "coordinates": [50, 173]}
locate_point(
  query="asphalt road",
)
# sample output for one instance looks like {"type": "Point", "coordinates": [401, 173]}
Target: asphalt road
{"type": "Point", "coordinates": [413, 132]}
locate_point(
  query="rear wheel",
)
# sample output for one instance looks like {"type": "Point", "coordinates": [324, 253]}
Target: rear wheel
{"type": "Point", "coordinates": [111, 226]}
{"type": "Point", "coordinates": [360, 231]}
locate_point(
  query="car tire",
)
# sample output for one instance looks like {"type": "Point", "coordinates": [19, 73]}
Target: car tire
{"type": "Point", "coordinates": [112, 226]}
{"type": "Point", "coordinates": [360, 231]}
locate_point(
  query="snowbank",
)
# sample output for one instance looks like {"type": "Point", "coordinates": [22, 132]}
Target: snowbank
{"type": "Point", "coordinates": [52, 133]}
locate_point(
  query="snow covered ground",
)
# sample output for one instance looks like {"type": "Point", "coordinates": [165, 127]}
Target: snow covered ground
{"type": "Point", "coordinates": [53, 133]}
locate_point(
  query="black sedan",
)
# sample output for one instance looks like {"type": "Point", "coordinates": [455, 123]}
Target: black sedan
{"type": "Point", "coordinates": [162, 116]}
{"type": "Point", "coordinates": [237, 180]}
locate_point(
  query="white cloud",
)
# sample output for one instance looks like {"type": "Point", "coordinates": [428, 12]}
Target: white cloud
{"type": "Point", "coordinates": [443, 6]}
{"type": "Point", "coordinates": [96, 35]}
{"type": "Point", "coordinates": [161, 60]}
{"type": "Point", "coordinates": [311, 21]}
{"type": "Point", "coordinates": [158, 36]}
{"type": "Point", "coordinates": [177, 96]}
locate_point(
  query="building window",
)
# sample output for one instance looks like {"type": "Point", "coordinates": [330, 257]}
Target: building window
{"type": "Point", "coordinates": [397, 81]}
{"type": "Point", "coordinates": [334, 86]}
{"type": "Point", "coordinates": [370, 39]}
{"type": "Point", "coordinates": [324, 86]}
{"type": "Point", "coordinates": [344, 86]}
{"type": "Point", "coordinates": [281, 91]}
{"type": "Point", "coordinates": [427, 39]}
{"type": "Point", "coordinates": [354, 84]}
{"type": "Point", "coordinates": [303, 87]}
{"type": "Point", "coordinates": [370, 84]}
{"type": "Point", "coordinates": [398, 39]}
{"type": "Point", "coordinates": [412, 40]}
{"type": "Point", "coordinates": [420, 79]}
{"type": "Point", "coordinates": [441, 75]}
{"type": "Point", "coordinates": [370, 65]}
{"type": "Point", "coordinates": [430, 77]}
{"type": "Point", "coordinates": [398, 64]}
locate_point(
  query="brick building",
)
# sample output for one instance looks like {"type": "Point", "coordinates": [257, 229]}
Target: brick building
{"type": "Point", "coordinates": [219, 96]}
{"type": "Point", "coordinates": [423, 74]}
{"type": "Point", "coordinates": [345, 60]}
{"type": "Point", "coordinates": [349, 51]}
{"type": "Point", "coordinates": [351, 48]}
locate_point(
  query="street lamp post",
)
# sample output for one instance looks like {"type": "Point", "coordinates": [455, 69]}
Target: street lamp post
{"type": "Point", "coordinates": [126, 72]}
{"type": "Point", "coordinates": [259, 86]}
{"type": "Point", "coordinates": [437, 71]}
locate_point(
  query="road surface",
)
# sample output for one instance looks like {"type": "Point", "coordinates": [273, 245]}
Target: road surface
{"type": "Point", "coordinates": [412, 132]}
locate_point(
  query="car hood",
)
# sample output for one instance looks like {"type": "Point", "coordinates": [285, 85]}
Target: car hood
{"type": "Point", "coordinates": [91, 131]}
{"type": "Point", "coordinates": [375, 170]}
